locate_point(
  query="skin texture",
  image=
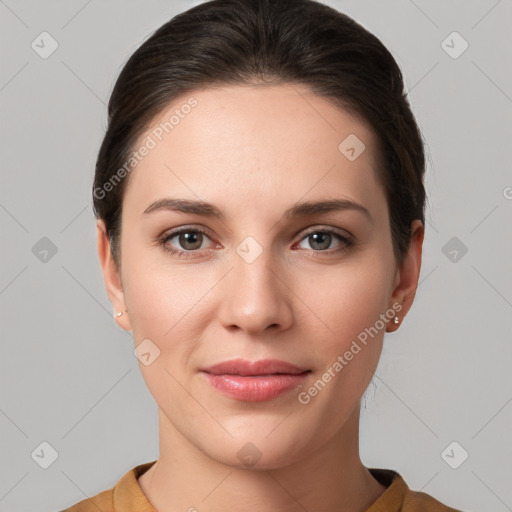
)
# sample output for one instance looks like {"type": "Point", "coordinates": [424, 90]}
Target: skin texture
{"type": "Point", "coordinates": [255, 151]}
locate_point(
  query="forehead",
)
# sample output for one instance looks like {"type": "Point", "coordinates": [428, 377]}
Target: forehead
{"type": "Point", "coordinates": [258, 141]}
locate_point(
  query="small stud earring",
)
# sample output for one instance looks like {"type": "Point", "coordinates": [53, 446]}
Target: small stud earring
{"type": "Point", "coordinates": [119, 313]}
{"type": "Point", "coordinates": [396, 320]}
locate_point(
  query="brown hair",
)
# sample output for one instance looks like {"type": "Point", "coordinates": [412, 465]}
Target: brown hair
{"type": "Point", "coordinates": [223, 42]}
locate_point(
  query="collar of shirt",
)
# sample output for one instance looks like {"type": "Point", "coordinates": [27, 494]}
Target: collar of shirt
{"type": "Point", "coordinates": [127, 496]}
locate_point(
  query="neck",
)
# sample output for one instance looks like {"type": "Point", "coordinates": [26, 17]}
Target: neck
{"type": "Point", "coordinates": [331, 478]}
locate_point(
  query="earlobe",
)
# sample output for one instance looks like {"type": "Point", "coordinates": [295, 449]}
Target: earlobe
{"type": "Point", "coordinates": [408, 274]}
{"type": "Point", "coordinates": [111, 277]}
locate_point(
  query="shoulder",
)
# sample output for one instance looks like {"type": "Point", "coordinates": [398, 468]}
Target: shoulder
{"type": "Point", "coordinates": [125, 495]}
{"type": "Point", "coordinates": [415, 501]}
{"type": "Point", "coordinates": [398, 497]}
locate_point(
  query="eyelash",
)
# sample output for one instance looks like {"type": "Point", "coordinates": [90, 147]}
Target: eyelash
{"type": "Point", "coordinates": [162, 241]}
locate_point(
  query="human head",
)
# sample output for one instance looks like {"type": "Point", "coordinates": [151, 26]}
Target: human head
{"type": "Point", "coordinates": [314, 71]}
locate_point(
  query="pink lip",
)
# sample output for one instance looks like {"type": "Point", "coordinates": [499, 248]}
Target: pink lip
{"type": "Point", "coordinates": [254, 381]}
{"type": "Point", "coordinates": [245, 368]}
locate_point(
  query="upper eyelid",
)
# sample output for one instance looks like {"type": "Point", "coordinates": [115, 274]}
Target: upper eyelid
{"type": "Point", "coordinates": [334, 230]}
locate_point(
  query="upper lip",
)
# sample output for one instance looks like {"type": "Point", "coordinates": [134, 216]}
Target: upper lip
{"type": "Point", "coordinates": [243, 367]}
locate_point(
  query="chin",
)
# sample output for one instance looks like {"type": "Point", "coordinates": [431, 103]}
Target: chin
{"type": "Point", "coordinates": [255, 449]}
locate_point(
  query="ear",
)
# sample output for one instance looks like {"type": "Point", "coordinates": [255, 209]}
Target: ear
{"type": "Point", "coordinates": [112, 277]}
{"type": "Point", "coordinates": [407, 275]}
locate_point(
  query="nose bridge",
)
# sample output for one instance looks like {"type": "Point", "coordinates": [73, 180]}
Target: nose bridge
{"type": "Point", "coordinates": [254, 265]}
{"type": "Point", "coordinates": [256, 298]}
{"type": "Point", "coordinates": [254, 270]}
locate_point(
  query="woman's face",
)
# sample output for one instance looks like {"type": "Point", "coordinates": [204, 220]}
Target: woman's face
{"type": "Point", "coordinates": [257, 283]}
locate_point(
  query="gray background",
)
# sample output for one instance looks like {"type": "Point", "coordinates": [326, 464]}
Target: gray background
{"type": "Point", "coordinates": [67, 371]}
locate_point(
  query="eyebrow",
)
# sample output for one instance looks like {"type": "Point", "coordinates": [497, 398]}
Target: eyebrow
{"type": "Point", "coordinates": [300, 209]}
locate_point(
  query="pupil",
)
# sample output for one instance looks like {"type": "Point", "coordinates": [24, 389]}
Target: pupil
{"type": "Point", "coordinates": [188, 238]}
{"type": "Point", "coordinates": [316, 237]}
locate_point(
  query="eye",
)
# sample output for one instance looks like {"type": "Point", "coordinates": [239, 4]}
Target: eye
{"type": "Point", "coordinates": [321, 239]}
{"type": "Point", "coordinates": [189, 239]}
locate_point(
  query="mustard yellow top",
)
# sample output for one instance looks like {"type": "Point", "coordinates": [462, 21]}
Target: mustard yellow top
{"type": "Point", "coordinates": [127, 496]}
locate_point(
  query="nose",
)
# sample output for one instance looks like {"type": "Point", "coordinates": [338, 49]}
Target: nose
{"type": "Point", "coordinates": [256, 297]}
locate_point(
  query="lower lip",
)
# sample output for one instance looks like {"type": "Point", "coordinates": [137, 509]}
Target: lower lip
{"type": "Point", "coordinates": [256, 388]}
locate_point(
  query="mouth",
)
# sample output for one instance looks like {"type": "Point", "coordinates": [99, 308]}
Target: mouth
{"type": "Point", "coordinates": [255, 381]}
{"type": "Point", "coordinates": [245, 368]}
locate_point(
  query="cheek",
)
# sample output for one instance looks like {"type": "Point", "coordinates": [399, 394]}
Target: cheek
{"type": "Point", "coordinates": [169, 306]}
{"type": "Point", "coordinates": [166, 305]}
{"type": "Point", "coordinates": [162, 296]}
{"type": "Point", "coordinates": [353, 299]}
{"type": "Point", "coordinates": [351, 347]}
{"type": "Point", "coordinates": [349, 350]}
